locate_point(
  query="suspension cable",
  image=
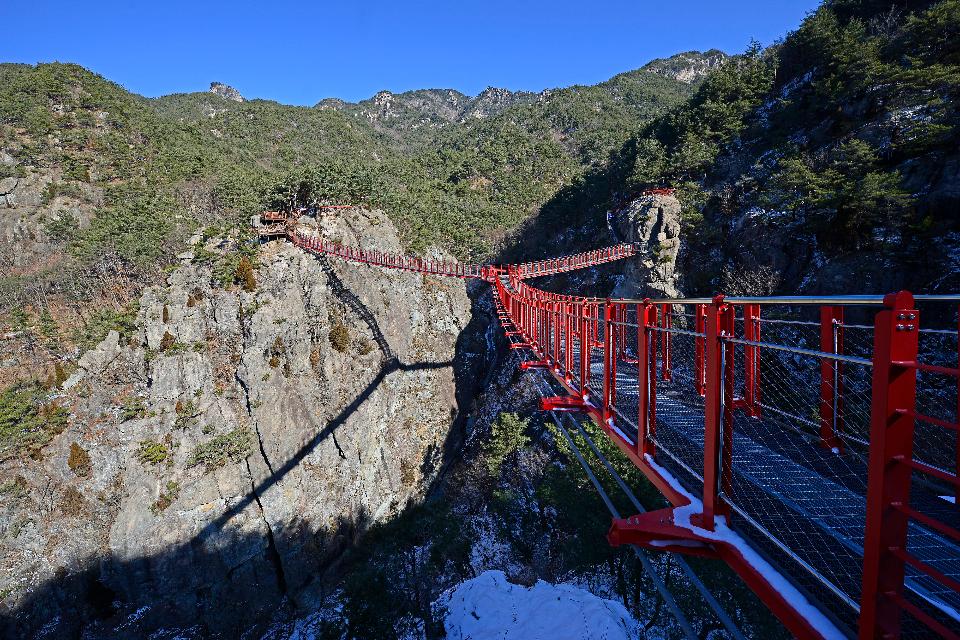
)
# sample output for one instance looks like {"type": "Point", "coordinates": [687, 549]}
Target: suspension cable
{"type": "Point", "coordinates": [698, 584]}
{"type": "Point", "coordinates": [694, 579]}
{"type": "Point", "coordinates": [668, 598]}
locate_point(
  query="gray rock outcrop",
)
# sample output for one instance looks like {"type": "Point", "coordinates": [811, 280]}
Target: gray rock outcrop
{"type": "Point", "coordinates": [652, 222]}
{"type": "Point", "coordinates": [237, 443]}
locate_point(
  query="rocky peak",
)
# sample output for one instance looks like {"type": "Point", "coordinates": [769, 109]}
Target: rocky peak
{"type": "Point", "coordinates": [383, 99]}
{"type": "Point", "coordinates": [225, 91]}
{"type": "Point", "coordinates": [689, 66]}
{"type": "Point", "coordinates": [493, 100]}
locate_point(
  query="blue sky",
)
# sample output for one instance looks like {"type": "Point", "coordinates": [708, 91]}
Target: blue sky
{"type": "Point", "coordinates": [300, 52]}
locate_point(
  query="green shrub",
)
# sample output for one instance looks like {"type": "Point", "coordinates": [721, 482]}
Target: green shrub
{"type": "Point", "coordinates": [27, 420]}
{"type": "Point", "coordinates": [48, 328]}
{"type": "Point", "coordinates": [14, 488]}
{"type": "Point", "coordinates": [63, 228]}
{"type": "Point", "coordinates": [167, 497]}
{"type": "Point", "coordinates": [508, 435]}
{"type": "Point", "coordinates": [102, 321]}
{"type": "Point", "coordinates": [19, 320]}
{"type": "Point", "coordinates": [133, 407]}
{"type": "Point", "coordinates": [186, 412]}
{"type": "Point", "coordinates": [152, 452]}
{"type": "Point", "coordinates": [228, 447]}
{"type": "Point", "coordinates": [136, 226]}
{"type": "Point", "coordinates": [849, 193]}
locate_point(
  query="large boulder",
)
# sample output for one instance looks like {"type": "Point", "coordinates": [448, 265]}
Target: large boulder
{"type": "Point", "coordinates": [652, 223]}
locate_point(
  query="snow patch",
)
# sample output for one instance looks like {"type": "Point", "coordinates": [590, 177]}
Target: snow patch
{"type": "Point", "coordinates": [489, 607]}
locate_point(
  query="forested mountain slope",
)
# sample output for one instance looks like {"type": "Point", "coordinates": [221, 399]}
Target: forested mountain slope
{"type": "Point", "coordinates": [827, 163]}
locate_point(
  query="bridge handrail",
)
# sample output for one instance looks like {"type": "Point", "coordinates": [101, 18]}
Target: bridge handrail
{"type": "Point", "coordinates": [567, 333]}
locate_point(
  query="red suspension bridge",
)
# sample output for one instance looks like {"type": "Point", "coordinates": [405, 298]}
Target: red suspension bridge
{"type": "Point", "coordinates": [809, 443]}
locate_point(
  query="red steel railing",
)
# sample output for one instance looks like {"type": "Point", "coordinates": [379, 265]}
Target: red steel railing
{"type": "Point", "coordinates": [450, 268]}
{"type": "Point", "coordinates": [807, 419]}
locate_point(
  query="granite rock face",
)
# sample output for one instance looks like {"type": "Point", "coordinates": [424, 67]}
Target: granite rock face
{"type": "Point", "coordinates": [27, 205]}
{"type": "Point", "coordinates": [652, 222]}
{"type": "Point", "coordinates": [238, 443]}
{"type": "Point", "coordinates": [225, 91]}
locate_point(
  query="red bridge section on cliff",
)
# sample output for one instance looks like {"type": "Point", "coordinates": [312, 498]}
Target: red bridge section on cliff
{"type": "Point", "coordinates": [809, 443]}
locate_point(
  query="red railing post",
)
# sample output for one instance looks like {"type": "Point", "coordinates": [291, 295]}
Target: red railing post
{"type": "Point", "coordinates": [831, 377]}
{"type": "Point", "coordinates": [667, 369]}
{"type": "Point", "coordinates": [751, 331]}
{"type": "Point", "coordinates": [557, 325]}
{"type": "Point", "coordinates": [644, 428]}
{"type": "Point", "coordinates": [568, 341]}
{"type": "Point", "coordinates": [615, 342]}
{"type": "Point", "coordinates": [700, 320]}
{"type": "Point", "coordinates": [651, 366]}
{"type": "Point", "coordinates": [888, 479]}
{"type": "Point", "coordinates": [586, 346]}
{"type": "Point", "coordinates": [607, 366]}
{"type": "Point", "coordinates": [718, 415]}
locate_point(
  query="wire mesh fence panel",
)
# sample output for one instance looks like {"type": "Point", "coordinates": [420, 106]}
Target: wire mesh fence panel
{"type": "Point", "coordinates": [937, 398]}
{"type": "Point", "coordinates": [678, 432]}
{"type": "Point", "coordinates": [790, 485]}
{"type": "Point", "coordinates": [625, 376]}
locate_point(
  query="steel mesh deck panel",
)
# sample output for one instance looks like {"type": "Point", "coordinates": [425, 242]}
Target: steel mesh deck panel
{"type": "Point", "coordinates": [815, 512]}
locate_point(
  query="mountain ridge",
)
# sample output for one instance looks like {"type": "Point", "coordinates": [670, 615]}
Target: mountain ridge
{"type": "Point", "coordinates": [441, 106]}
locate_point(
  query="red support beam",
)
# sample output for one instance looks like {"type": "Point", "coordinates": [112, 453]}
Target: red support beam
{"type": "Point", "coordinates": [607, 367]}
{"type": "Point", "coordinates": [586, 346]}
{"type": "Point", "coordinates": [615, 343]}
{"type": "Point", "coordinates": [645, 430]}
{"type": "Point", "coordinates": [568, 341]}
{"type": "Point", "coordinates": [888, 480]}
{"type": "Point", "coordinates": [557, 330]}
{"type": "Point", "coordinates": [666, 363]}
{"type": "Point", "coordinates": [651, 366]}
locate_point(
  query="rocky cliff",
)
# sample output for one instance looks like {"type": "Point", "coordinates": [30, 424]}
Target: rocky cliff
{"type": "Point", "coordinates": [218, 459]}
